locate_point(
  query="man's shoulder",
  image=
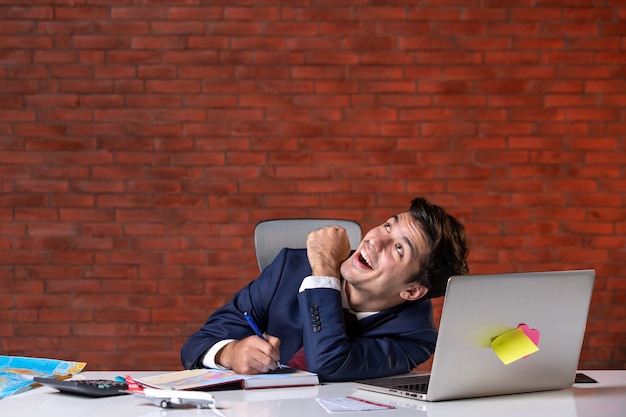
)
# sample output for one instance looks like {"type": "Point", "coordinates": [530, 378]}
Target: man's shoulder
{"type": "Point", "coordinates": [292, 260]}
{"type": "Point", "coordinates": [290, 254]}
{"type": "Point", "coordinates": [293, 252]}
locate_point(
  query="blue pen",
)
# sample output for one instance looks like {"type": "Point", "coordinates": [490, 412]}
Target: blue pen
{"type": "Point", "coordinates": [258, 332]}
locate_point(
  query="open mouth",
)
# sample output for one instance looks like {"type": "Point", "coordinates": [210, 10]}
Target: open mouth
{"type": "Point", "coordinates": [365, 260]}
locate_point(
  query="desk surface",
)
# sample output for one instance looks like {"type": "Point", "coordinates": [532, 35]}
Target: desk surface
{"type": "Point", "coordinates": [607, 398]}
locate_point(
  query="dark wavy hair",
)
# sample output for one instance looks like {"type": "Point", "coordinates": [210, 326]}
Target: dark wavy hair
{"type": "Point", "coordinates": [446, 238]}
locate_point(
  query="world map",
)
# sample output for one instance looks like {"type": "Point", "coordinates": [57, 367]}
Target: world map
{"type": "Point", "coordinates": [17, 372]}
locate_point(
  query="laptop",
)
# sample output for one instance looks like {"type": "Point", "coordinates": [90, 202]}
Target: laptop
{"type": "Point", "coordinates": [477, 310]}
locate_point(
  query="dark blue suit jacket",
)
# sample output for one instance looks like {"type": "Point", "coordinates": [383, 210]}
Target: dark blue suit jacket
{"type": "Point", "coordinates": [388, 343]}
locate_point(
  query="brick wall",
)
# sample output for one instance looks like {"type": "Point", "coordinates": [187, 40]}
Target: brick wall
{"type": "Point", "coordinates": [141, 141]}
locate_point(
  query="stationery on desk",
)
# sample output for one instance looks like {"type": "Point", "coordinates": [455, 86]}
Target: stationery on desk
{"type": "Point", "coordinates": [204, 379]}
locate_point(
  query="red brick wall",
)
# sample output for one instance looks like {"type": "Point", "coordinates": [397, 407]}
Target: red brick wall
{"type": "Point", "coordinates": [140, 143]}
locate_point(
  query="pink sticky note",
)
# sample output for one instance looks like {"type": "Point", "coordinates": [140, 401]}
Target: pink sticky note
{"type": "Point", "coordinates": [533, 334]}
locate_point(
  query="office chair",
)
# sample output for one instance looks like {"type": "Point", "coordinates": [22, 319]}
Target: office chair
{"type": "Point", "coordinates": [270, 236]}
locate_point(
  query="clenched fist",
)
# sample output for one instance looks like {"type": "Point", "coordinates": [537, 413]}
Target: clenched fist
{"type": "Point", "coordinates": [327, 248]}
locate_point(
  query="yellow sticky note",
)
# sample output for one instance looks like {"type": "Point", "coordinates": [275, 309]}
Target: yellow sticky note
{"type": "Point", "coordinates": [513, 345]}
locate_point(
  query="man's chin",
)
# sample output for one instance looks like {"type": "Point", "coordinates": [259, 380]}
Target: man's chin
{"type": "Point", "coordinates": [353, 272]}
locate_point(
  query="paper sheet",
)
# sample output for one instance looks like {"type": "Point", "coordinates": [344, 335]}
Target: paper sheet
{"type": "Point", "coordinates": [350, 404]}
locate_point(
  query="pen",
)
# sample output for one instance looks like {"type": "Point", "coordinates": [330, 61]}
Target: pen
{"type": "Point", "coordinates": [258, 332]}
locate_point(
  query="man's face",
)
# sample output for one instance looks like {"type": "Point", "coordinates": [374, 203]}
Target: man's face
{"type": "Point", "coordinates": [380, 267]}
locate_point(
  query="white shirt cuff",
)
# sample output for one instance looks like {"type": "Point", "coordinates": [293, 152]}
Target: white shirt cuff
{"type": "Point", "coordinates": [209, 357]}
{"type": "Point", "coordinates": [314, 281]}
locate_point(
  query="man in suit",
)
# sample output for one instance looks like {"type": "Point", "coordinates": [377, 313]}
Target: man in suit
{"type": "Point", "coordinates": [298, 302]}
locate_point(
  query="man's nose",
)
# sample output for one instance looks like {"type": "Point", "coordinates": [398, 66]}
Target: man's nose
{"type": "Point", "coordinates": [378, 243]}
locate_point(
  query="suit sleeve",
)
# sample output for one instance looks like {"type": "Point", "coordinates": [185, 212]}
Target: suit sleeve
{"type": "Point", "coordinates": [389, 343]}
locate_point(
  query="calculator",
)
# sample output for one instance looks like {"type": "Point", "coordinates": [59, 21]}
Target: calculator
{"type": "Point", "coordinates": [86, 387]}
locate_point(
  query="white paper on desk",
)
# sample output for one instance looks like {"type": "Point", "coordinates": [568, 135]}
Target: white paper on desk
{"type": "Point", "coordinates": [350, 404]}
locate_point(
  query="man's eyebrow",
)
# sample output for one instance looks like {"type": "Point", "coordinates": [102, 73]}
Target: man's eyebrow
{"type": "Point", "coordinates": [406, 239]}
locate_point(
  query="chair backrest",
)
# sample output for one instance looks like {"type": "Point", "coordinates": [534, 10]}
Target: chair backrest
{"type": "Point", "coordinates": [270, 236]}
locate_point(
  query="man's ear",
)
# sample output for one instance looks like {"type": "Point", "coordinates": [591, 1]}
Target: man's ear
{"type": "Point", "coordinates": [413, 291]}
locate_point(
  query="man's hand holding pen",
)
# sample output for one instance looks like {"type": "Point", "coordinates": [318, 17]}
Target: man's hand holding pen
{"type": "Point", "coordinates": [251, 355]}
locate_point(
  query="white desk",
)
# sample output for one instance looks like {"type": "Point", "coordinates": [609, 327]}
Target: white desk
{"type": "Point", "coordinates": [604, 399]}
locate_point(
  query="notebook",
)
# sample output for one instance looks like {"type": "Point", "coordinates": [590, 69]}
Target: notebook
{"type": "Point", "coordinates": [502, 334]}
{"type": "Point", "coordinates": [207, 379]}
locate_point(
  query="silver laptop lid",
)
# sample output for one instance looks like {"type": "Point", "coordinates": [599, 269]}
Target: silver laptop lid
{"type": "Point", "coordinates": [478, 308]}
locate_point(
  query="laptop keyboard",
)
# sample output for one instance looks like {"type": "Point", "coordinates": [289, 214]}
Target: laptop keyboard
{"type": "Point", "coordinates": [417, 385]}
